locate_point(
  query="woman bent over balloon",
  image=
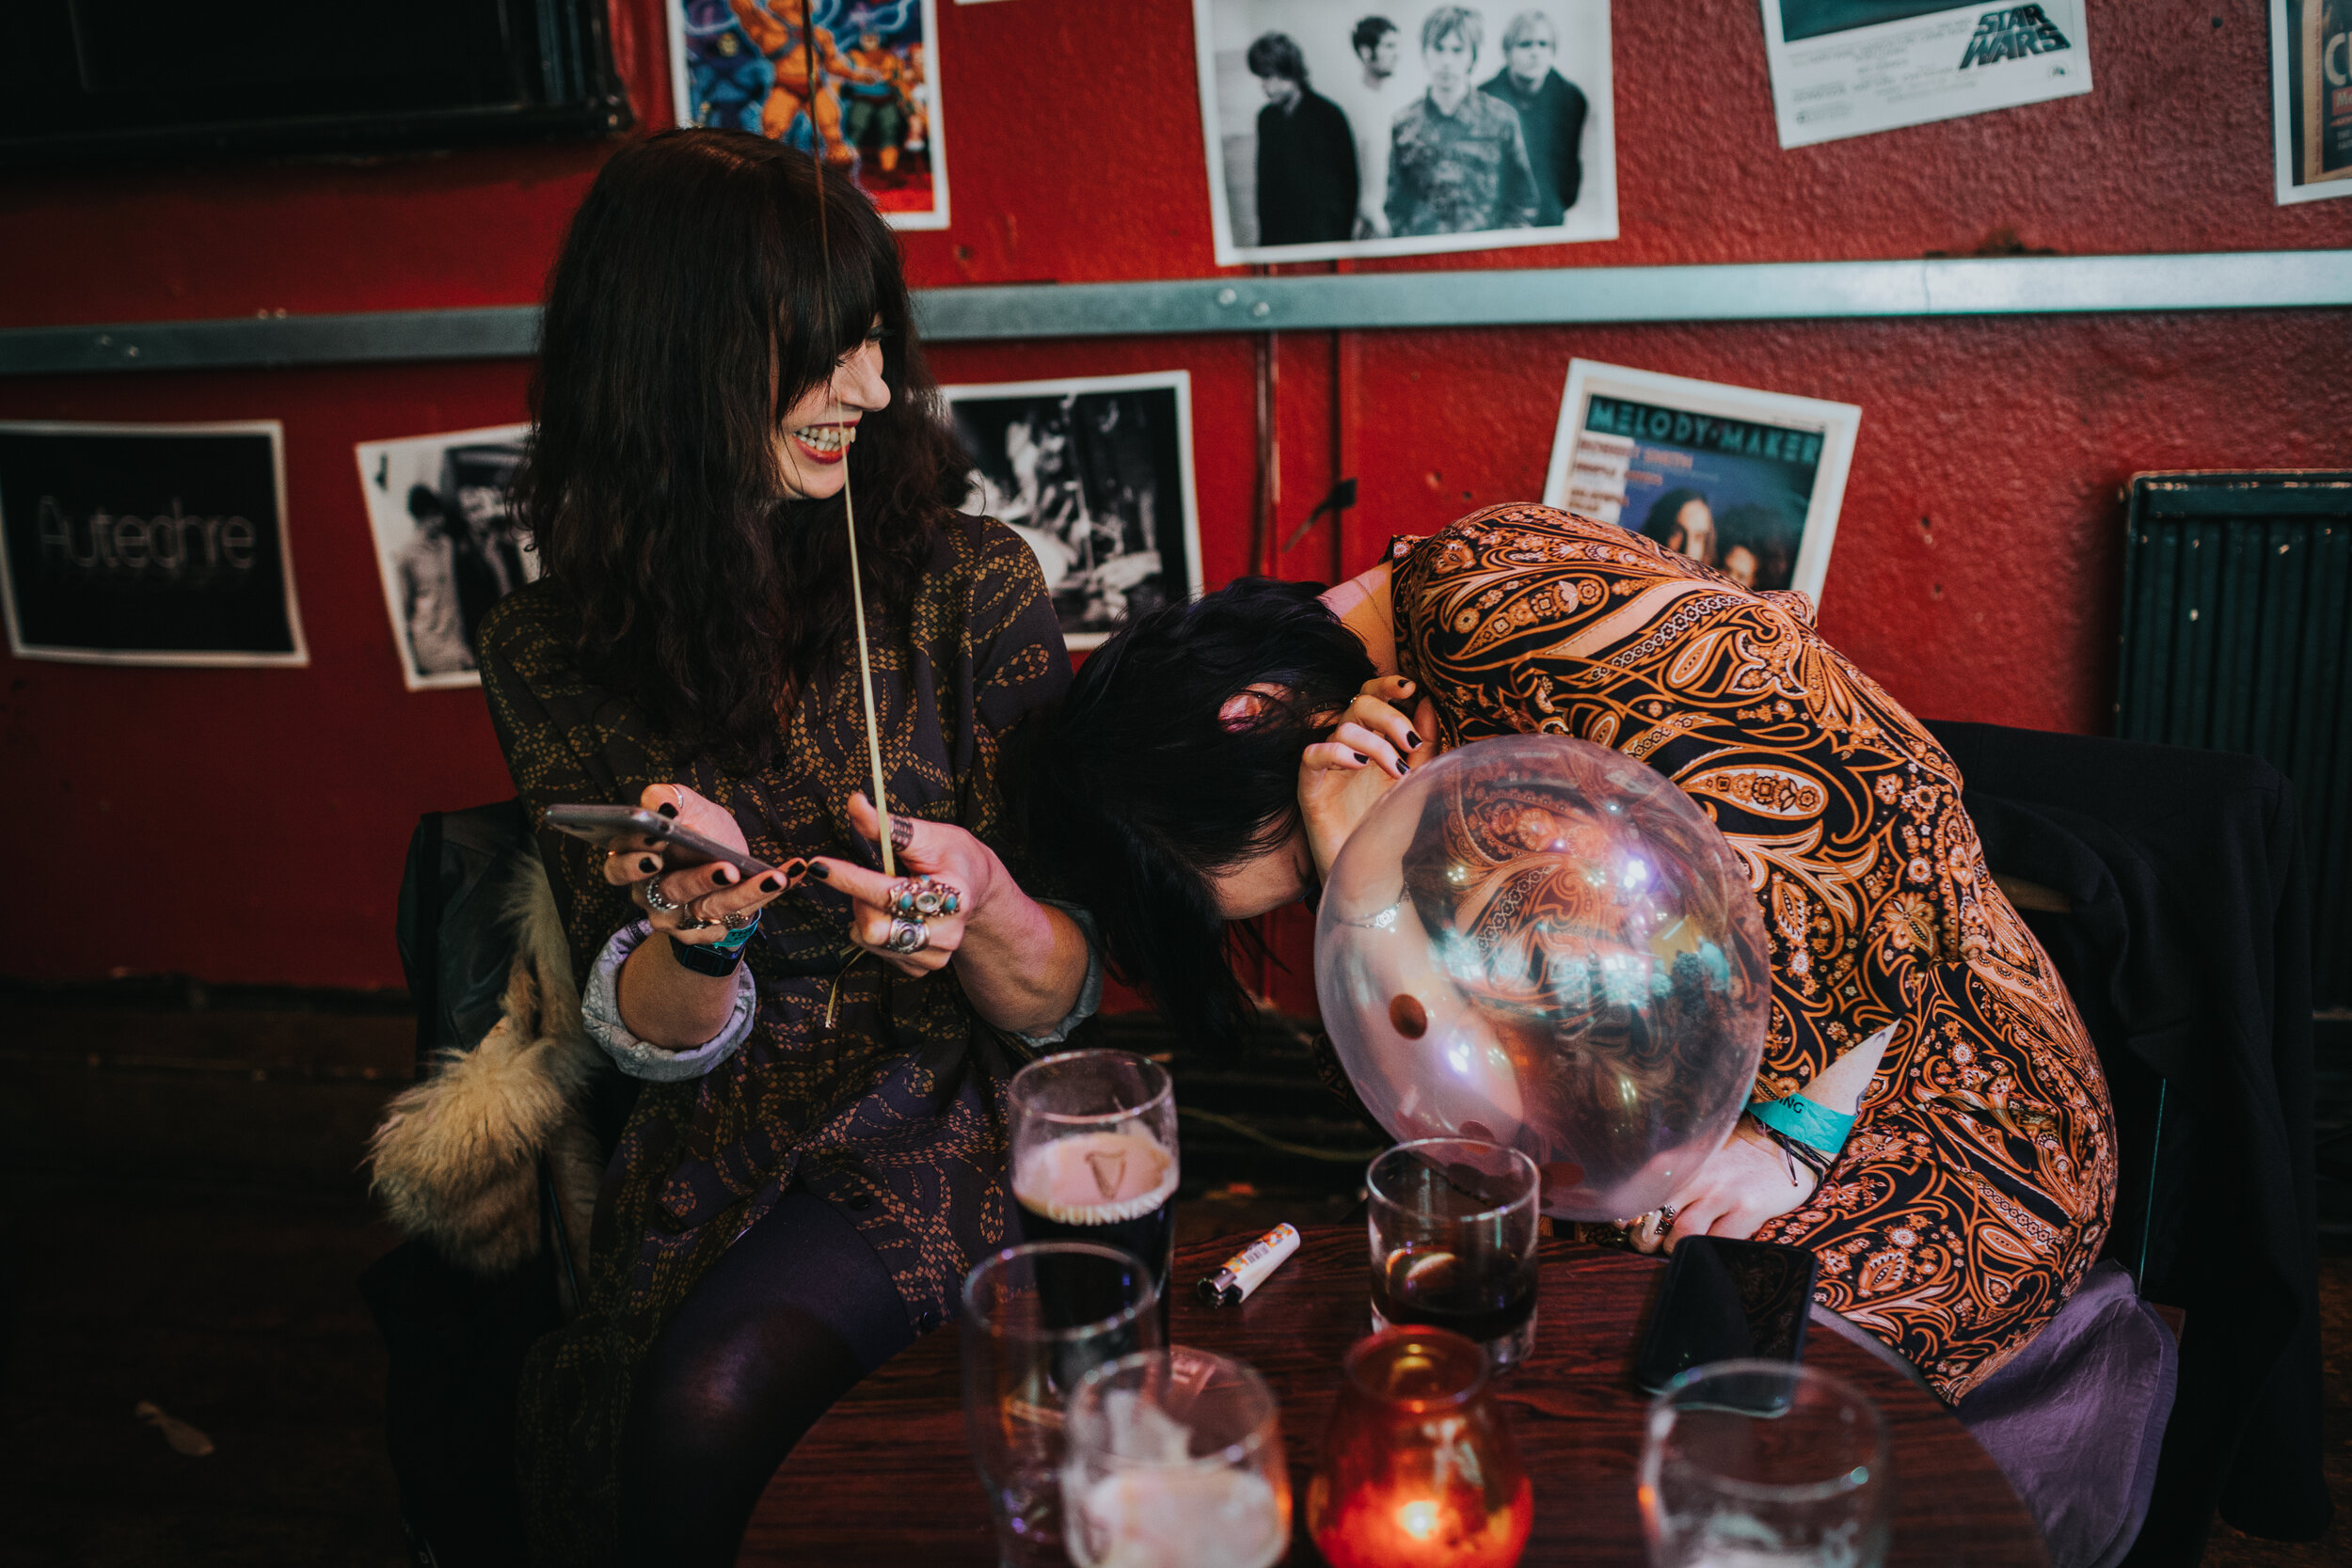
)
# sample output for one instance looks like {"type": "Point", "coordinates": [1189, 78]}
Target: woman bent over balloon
{"type": "Point", "coordinates": [1930, 1117]}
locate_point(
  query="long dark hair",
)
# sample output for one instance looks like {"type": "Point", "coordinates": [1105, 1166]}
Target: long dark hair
{"type": "Point", "coordinates": [1140, 790]}
{"type": "Point", "coordinates": [1663, 520]}
{"type": "Point", "coordinates": [688, 312]}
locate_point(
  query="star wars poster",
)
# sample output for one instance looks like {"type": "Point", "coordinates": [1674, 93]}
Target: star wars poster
{"type": "Point", "coordinates": [1748, 483]}
{"type": "Point", "coordinates": [446, 543]}
{"type": "Point", "coordinates": [1847, 67]}
{"type": "Point", "coordinates": [859, 76]}
{"type": "Point", "coordinates": [2310, 108]}
{"type": "Point", "coordinates": [1342, 128]}
{"type": "Point", "coordinates": [1096, 475]}
{"type": "Point", "coordinates": [148, 543]}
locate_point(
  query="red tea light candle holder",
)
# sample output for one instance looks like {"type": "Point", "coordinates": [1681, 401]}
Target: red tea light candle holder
{"type": "Point", "coordinates": [1418, 1469]}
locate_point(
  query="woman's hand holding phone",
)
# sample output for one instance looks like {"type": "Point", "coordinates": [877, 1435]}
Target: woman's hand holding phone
{"type": "Point", "coordinates": [692, 903]}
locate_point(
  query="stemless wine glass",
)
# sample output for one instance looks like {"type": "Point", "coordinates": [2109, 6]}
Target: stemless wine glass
{"type": "Point", "coordinates": [1453, 1241]}
{"type": "Point", "coordinates": [1036, 1319]}
{"type": "Point", "coordinates": [1765, 1464]}
{"type": "Point", "coordinates": [1094, 1154]}
{"type": "Point", "coordinates": [1174, 1460]}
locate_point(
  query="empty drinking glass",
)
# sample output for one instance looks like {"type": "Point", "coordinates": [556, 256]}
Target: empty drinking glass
{"type": "Point", "coordinates": [1765, 1464]}
{"type": "Point", "coordinates": [1453, 1241]}
{"type": "Point", "coordinates": [1174, 1460]}
{"type": "Point", "coordinates": [1036, 1319]}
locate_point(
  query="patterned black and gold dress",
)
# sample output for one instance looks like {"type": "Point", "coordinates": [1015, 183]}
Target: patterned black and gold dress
{"type": "Point", "coordinates": [1978, 1180]}
{"type": "Point", "coordinates": [895, 1114]}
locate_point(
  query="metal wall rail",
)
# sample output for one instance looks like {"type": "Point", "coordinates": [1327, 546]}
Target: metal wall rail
{"type": "Point", "coordinates": [1778, 291]}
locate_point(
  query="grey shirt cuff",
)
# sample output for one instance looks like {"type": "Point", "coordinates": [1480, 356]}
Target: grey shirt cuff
{"type": "Point", "coordinates": [600, 1013]}
{"type": "Point", "coordinates": [1090, 993]}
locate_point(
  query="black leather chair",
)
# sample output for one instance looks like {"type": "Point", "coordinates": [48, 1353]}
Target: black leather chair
{"type": "Point", "coordinates": [2170, 887]}
{"type": "Point", "coordinates": [455, 1338]}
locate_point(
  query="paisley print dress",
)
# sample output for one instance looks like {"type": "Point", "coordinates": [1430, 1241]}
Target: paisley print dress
{"type": "Point", "coordinates": [1978, 1180]}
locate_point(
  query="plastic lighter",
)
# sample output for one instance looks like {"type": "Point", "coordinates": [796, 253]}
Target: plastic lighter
{"type": "Point", "coordinates": [1247, 1268]}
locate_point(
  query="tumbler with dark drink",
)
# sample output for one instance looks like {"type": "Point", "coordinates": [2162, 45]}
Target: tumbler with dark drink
{"type": "Point", "coordinates": [1094, 1154]}
{"type": "Point", "coordinates": [1453, 1222]}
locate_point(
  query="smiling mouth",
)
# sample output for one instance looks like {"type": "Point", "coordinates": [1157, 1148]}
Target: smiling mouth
{"type": "Point", "coordinates": [825, 443]}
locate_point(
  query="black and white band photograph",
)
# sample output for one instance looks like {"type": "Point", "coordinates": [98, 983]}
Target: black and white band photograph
{"type": "Point", "coordinates": [1096, 474]}
{"type": "Point", "coordinates": [148, 543]}
{"type": "Point", "coordinates": [1342, 128]}
{"type": "Point", "coordinates": [446, 542]}
{"type": "Point", "coordinates": [1847, 67]}
{"type": "Point", "coordinates": [1747, 481]}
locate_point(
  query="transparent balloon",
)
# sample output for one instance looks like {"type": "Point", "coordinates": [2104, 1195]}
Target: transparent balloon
{"type": "Point", "coordinates": [1542, 943]}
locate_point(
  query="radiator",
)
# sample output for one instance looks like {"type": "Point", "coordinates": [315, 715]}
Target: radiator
{"type": "Point", "coordinates": [2238, 637]}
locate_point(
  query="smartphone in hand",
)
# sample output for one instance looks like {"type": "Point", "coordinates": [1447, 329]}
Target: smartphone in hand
{"type": "Point", "coordinates": [1726, 1300]}
{"type": "Point", "coordinates": [603, 825]}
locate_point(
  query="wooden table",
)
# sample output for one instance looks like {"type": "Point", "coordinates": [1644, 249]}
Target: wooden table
{"type": "Point", "coordinates": [886, 1479]}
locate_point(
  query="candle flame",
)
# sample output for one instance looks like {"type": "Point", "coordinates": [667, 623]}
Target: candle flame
{"type": "Point", "coordinates": [1418, 1519]}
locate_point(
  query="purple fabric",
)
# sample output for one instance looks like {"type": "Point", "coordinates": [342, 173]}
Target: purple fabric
{"type": "Point", "coordinates": [2076, 1418]}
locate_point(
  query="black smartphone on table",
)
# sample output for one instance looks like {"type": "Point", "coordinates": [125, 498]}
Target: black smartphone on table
{"type": "Point", "coordinates": [1726, 1300]}
{"type": "Point", "coordinates": [603, 825]}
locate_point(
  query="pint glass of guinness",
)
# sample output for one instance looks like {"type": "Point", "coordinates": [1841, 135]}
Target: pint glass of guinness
{"type": "Point", "coordinates": [1094, 1154]}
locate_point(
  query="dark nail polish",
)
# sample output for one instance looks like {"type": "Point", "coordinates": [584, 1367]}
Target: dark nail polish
{"type": "Point", "coordinates": [796, 868]}
{"type": "Point", "coordinates": [721, 876]}
{"type": "Point", "coordinates": [1403, 766]}
{"type": "Point", "coordinates": [768, 884]}
{"type": "Point", "coordinates": [1412, 742]}
{"type": "Point", "coordinates": [1360, 757]}
{"type": "Point", "coordinates": [819, 872]}
{"type": "Point", "coordinates": [649, 864]}
{"type": "Point", "coordinates": [667, 810]}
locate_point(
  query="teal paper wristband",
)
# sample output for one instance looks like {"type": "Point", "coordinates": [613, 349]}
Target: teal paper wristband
{"type": "Point", "coordinates": [1810, 1122]}
{"type": "Point", "coordinates": [733, 942]}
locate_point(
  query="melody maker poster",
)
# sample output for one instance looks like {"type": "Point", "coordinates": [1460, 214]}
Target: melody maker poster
{"type": "Point", "coordinates": [148, 543]}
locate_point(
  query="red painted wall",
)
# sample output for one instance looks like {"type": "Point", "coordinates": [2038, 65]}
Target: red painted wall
{"type": "Point", "coordinates": [1975, 564]}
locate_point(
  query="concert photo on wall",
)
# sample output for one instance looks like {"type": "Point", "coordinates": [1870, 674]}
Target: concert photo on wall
{"type": "Point", "coordinates": [446, 543]}
{"type": "Point", "coordinates": [1096, 474]}
{"type": "Point", "coordinates": [861, 77]}
{"type": "Point", "coordinates": [1342, 128]}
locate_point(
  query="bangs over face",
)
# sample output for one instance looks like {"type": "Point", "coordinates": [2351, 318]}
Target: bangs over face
{"type": "Point", "coordinates": [711, 279]}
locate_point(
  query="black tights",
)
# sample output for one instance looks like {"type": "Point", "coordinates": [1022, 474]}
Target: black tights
{"type": "Point", "coordinates": [787, 1323]}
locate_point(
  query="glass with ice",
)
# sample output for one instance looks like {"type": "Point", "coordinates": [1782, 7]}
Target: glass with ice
{"type": "Point", "coordinates": [1174, 1460]}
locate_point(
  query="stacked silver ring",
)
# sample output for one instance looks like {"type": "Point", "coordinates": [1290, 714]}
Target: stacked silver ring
{"type": "Point", "coordinates": [907, 937]}
{"type": "Point", "coordinates": [920, 897]}
{"type": "Point", "coordinates": [660, 903]}
{"type": "Point", "coordinates": [734, 920]}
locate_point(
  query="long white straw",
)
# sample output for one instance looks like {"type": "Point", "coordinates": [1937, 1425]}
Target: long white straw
{"type": "Point", "coordinates": [848, 507]}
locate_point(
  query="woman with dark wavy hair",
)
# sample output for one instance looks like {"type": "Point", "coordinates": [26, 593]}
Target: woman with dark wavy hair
{"type": "Point", "coordinates": [816, 1153]}
{"type": "Point", "coordinates": [1930, 1117]}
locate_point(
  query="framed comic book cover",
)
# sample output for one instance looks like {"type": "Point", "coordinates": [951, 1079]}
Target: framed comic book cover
{"type": "Point", "coordinates": [858, 77]}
